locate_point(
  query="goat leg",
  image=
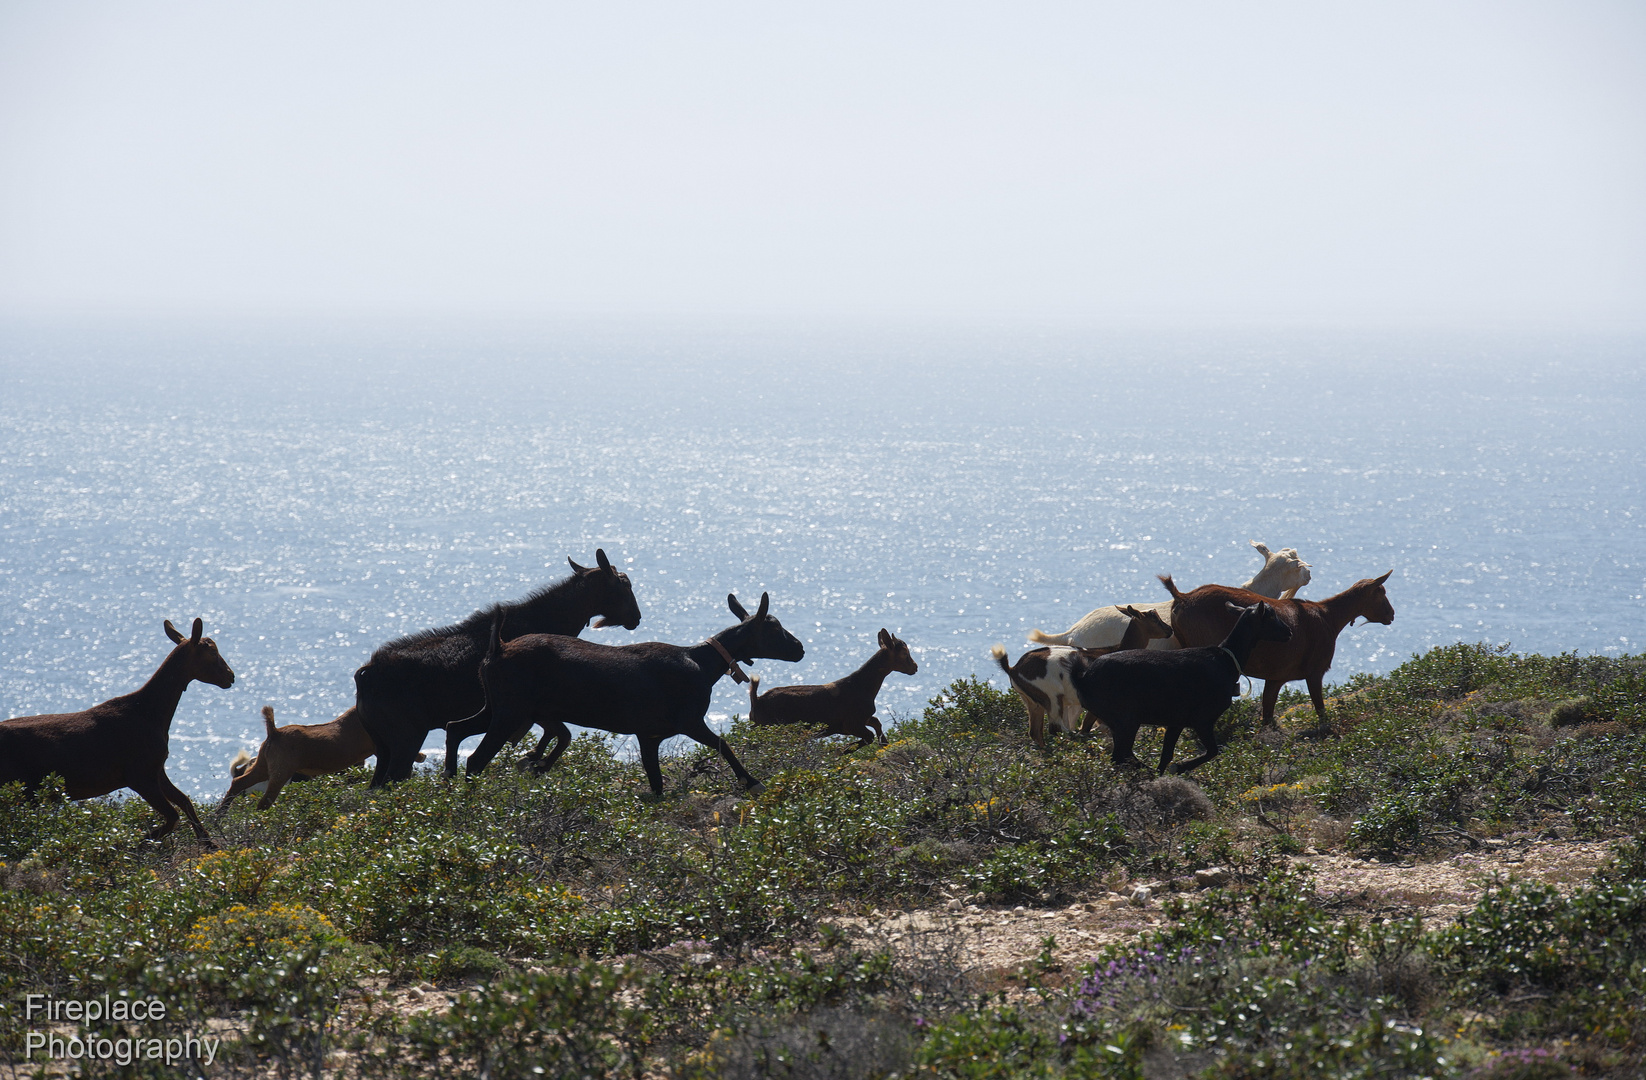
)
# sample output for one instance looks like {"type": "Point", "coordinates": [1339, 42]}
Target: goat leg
{"type": "Point", "coordinates": [699, 731]}
{"type": "Point", "coordinates": [1125, 737]}
{"type": "Point", "coordinates": [154, 794]}
{"type": "Point", "coordinates": [1323, 725]}
{"type": "Point", "coordinates": [488, 748]}
{"type": "Point", "coordinates": [272, 792]}
{"type": "Point", "coordinates": [1208, 739]}
{"type": "Point", "coordinates": [648, 761]}
{"type": "Point", "coordinates": [1167, 746]}
{"type": "Point", "coordinates": [562, 739]}
{"type": "Point", "coordinates": [456, 732]}
{"type": "Point", "coordinates": [1271, 694]}
{"type": "Point", "coordinates": [254, 775]}
{"type": "Point", "coordinates": [177, 798]}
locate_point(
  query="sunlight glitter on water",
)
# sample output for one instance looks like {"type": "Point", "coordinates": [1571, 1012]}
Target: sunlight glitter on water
{"type": "Point", "coordinates": [331, 496]}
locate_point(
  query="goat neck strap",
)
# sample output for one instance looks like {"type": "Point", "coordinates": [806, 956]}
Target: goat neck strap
{"type": "Point", "coordinates": [1238, 669]}
{"type": "Point", "coordinates": [731, 661]}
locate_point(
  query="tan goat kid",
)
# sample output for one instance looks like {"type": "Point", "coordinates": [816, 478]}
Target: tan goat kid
{"type": "Point", "coordinates": [298, 752]}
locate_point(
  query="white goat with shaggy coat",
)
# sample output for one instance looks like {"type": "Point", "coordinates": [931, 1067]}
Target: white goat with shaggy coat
{"type": "Point", "coordinates": [1282, 575]}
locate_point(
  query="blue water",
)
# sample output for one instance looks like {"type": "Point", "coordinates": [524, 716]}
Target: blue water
{"type": "Point", "coordinates": [312, 492]}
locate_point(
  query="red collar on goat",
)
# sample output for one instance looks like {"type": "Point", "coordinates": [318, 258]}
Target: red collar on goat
{"type": "Point", "coordinates": [738, 675]}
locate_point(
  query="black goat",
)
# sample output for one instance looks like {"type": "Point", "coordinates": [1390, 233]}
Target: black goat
{"type": "Point", "coordinates": [650, 690]}
{"type": "Point", "coordinates": [1183, 688]}
{"type": "Point", "coordinates": [426, 680]}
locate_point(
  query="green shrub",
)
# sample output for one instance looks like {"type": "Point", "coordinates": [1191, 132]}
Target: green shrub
{"type": "Point", "coordinates": [572, 1023]}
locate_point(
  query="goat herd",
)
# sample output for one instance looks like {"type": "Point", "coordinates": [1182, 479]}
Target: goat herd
{"type": "Point", "coordinates": [509, 667]}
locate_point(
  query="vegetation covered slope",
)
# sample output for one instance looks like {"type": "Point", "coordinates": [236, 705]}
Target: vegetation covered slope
{"type": "Point", "coordinates": [578, 928]}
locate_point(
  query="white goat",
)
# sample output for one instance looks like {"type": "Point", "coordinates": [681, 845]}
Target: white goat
{"type": "Point", "coordinates": [1282, 575]}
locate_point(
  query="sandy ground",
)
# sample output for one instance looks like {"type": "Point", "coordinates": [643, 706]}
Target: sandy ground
{"type": "Point", "coordinates": [1005, 938]}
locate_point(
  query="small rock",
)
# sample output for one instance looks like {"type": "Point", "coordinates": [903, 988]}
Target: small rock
{"type": "Point", "coordinates": [1140, 895]}
{"type": "Point", "coordinates": [701, 958]}
{"type": "Point", "coordinates": [414, 994]}
{"type": "Point", "coordinates": [1310, 850]}
{"type": "Point", "coordinates": [1019, 907]}
{"type": "Point", "coordinates": [1118, 901]}
{"type": "Point", "coordinates": [1211, 877]}
{"type": "Point", "coordinates": [953, 905]}
{"type": "Point", "coordinates": [427, 988]}
{"type": "Point", "coordinates": [1048, 914]}
{"type": "Point", "coordinates": [535, 970]}
{"type": "Point", "coordinates": [1494, 843]}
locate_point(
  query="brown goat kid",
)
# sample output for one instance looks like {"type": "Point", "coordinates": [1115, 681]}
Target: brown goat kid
{"type": "Point", "coordinates": [122, 743]}
{"type": "Point", "coordinates": [301, 751]}
{"type": "Point", "coordinates": [1203, 617]}
{"type": "Point", "coordinates": [845, 706]}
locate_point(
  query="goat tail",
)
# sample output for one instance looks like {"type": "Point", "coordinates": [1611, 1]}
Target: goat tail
{"type": "Point", "coordinates": [242, 761]}
{"type": "Point", "coordinates": [1030, 692]}
{"type": "Point", "coordinates": [1040, 637]}
{"type": "Point", "coordinates": [497, 634]}
{"type": "Point", "coordinates": [754, 690]}
{"type": "Point", "coordinates": [268, 721]}
{"type": "Point", "coordinates": [1171, 586]}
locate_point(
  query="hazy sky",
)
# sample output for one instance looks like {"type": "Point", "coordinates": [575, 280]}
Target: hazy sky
{"type": "Point", "coordinates": [1318, 162]}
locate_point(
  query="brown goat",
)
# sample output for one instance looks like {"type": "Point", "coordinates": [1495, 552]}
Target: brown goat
{"type": "Point", "coordinates": [1203, 617]}
{"type": "Point", "coordinates": [301, 751]}
{"type": "Point", "coordinates": [845, 706]}
{"type": "Point", "coordinates": [122, 743]}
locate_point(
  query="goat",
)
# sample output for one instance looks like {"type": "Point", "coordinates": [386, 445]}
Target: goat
{"type": "Point", "coordinates": [122, 743]}
{"type": "Point", "coordinates": [1282, 574]}
{"type": "Point", "coordinates": [1188, 688]}
{"type": "Point", "coordinates": [651, 690]}
{"type": "Point", "coordinates": [845, 706]}
{"type": "Point", "coordinates": [424, 681]}
{"type": "Point", "coordinates": [1200, 617]}
{"type": "Point", "coordinates": [1041, 676]}
{"type": "Point", "coordinates": [298, 752]}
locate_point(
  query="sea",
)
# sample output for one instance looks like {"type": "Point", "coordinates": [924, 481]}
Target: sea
{"type": "Point", "coordinates": [313, 490]}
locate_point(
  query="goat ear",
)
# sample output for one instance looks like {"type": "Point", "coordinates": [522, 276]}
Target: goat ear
{"type": "Point", "coordinates": [1234, 607]}
{"type": "Point", "coordinates": [171, 632]}
{"type": "Point", "coordinates": [765, 605]}
{"type": "Point", "coordinates": [199, 627]}
{"type": "Point", "coordinates": [575, 568]}
{"type": "Point", "coordinates": [1130, 612]}
{"type": "Point", "coordinates": [1384, 578]}
{"type": "Point", "coordinates": [885, 639]}
{"type": "Point", "coordinates": [739, 610]}
{"type": "Point", "coordinates": [600, 558]}
{"type": "Point", "coordinates": [1262, 548]}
